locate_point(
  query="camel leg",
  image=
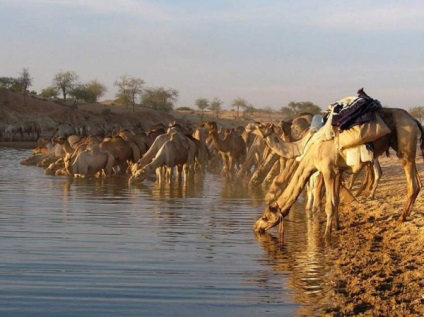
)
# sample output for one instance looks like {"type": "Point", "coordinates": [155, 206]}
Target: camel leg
{"type": "Point", "coordinates": [378, 172]}
{"type": "Point", "coordinates": [413, 187]}
{"type": "Point", "coordinates": [318, 193]}
{"type": "Point", "coordinates": [310, 191]}
{"type": "Point", "coordinates": [331, 199]}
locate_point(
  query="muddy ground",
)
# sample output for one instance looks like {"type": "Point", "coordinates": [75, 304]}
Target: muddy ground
{"type": "Point", "coordinates": [378, 263]}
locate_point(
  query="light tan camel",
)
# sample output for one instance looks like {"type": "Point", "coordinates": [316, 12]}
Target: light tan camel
{"type": "Point", "coordinates": [324, 157]}
{"type": "Point", "coordinates": [91, 162]}
{"type": "Point", "coordinates": [232, 147]}
{"type": "Point", "coordinates": [255, 154]}
{"type": "Point", "coordinates": [287, 150]}
{"type": "Point", "coordinates": [285, 132]}
{"type": "Point", "coordinates": [155, 147]}
{"type": "Point", "coordinates": [175, 152]}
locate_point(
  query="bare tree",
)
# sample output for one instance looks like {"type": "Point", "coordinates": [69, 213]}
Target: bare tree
{"type": "Point", "coordinates": [129, 88]}
{"type": "Point", "coordinates": [65, 82]}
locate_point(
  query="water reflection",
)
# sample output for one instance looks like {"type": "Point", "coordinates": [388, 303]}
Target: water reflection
{"type": "Point", "coordinates": [80, 246]}
{"type": "Point", "coordinates": [300, 255]}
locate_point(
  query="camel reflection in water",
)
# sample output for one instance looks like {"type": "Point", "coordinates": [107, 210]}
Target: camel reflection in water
{"type": "Point", "coordinates": [300, 256]}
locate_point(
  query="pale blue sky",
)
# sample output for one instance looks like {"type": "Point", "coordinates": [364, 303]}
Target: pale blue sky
{"type": "Point", "coordinates": [268, 52]}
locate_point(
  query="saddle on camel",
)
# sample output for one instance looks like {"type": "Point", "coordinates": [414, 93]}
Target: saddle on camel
{"type": "Point", "coordinates": [399, 131]}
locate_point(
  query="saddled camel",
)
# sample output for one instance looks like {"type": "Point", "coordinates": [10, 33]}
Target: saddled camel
{"type": "Point", "coordinates": [324, 156]}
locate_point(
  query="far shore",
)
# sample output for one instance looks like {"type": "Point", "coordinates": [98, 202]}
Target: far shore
{"type": "Point", "coordinates": [20, 144]}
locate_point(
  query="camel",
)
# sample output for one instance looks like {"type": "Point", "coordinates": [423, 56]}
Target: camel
{"type": "Point", "coordinates": [174, 152]}
{"type": "Point", "coordinates": [284, 134]}
{"type": "Point", "coordinates": [255, 154]}
{"type": "Point", "coordinates": [287, 150]}
{"type": "Point", "coordinates": [153, 150]}
{"type": "Point", "coordinates": [90, 162]}
{"type": "Point", "coordinates": [324, 156]}
{"type": "Point", "coordinates": [281, 150]}
{"type": "Point", "coordinates": [232, 147]}
{"type": "Point", "coordinates": [56, 168]}
{"type": "Point", "coordinates": [121, 150]}
{"type": "Point", "coordinates": [140, 139]}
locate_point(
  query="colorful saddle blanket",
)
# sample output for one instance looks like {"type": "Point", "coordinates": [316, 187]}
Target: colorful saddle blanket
{"type": "Point", "coordinates": [351, 111]}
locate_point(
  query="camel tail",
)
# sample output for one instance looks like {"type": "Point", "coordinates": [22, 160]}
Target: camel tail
{"type": "Point", "coordinates": [422, 136]}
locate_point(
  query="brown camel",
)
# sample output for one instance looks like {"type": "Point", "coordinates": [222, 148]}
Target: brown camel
{"type": "Point", "coordinates": [139, 138]}
{"type": "Point", "coordinates": [122, 150]}
{"type": "Point", "coordinates": [323, 156]}
{"type": "Point", "coordinates": [232, 147]}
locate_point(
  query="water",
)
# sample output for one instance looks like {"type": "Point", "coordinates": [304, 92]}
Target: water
{"type": "Point", "coordinates": [98, 247]}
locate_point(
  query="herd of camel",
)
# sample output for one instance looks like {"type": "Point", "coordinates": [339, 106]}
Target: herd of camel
{"type": "Point", "coordinates": [284, 158]}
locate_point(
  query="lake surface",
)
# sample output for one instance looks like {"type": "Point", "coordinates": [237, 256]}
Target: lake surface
{"type": "Point", "coordinates": [99, 247]}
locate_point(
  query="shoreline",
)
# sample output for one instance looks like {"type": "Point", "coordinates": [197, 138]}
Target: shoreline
{"type": "Point", "coordinates": [20, 144]}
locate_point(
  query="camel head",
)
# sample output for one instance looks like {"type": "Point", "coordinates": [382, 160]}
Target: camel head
{"type": "Point", "coordinates": [139, 175]}
{"type": "Point", "coordinates": [210, 125]}
{"type": "Point", "coordinates": [270, 218]}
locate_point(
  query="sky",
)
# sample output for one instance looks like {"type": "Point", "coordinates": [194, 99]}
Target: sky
{"type": "Point", "coordinates": [268, 52]}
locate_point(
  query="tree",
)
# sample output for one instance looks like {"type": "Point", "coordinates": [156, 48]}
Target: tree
{"type": "Point", "coordinates": [159, 98]}
{"type": "Point", "coordinates": [248, 112]}
{"type": "Point", "coordinates": [7, 82]}
{"type": "Point", "coordinates": [128, 89]}
{"type": "Point", "coordinates": [82, 93]}
{"type": "Point", "coordinates": [49, 92]}
{"type": "Point", "coordinates": [65, 82]}
{"type": "Point", "coordinates": [215, 106]}
{"type": "Point", "coordinates": [96, 88]}
{"type": "Point", "coordinates": [202, 104]}
{"type": "Point", "coordinates": [417, 112]}
{"type": "Point", "coordinates": [25, 80]}
{"type": "Point", "coordinates": [239, 103]}
{"type": "Point", "coordinates": [294, 109]}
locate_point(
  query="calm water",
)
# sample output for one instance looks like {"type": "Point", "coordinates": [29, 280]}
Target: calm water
{"type": "Point", "coordinates": [90, 247]}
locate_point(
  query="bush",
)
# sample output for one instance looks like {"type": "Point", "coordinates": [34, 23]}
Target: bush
{"type": "Point", "coordinates": [184, 109]}
{"type": "Point", "coordinates": [105, 112]}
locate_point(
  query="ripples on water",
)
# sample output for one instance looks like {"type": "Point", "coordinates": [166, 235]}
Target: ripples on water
{"type": "Point", "coordinates": [97, 247]}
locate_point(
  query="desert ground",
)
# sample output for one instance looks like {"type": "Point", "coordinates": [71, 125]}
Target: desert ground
{"type": "Point", "coordinates": [377, 263]}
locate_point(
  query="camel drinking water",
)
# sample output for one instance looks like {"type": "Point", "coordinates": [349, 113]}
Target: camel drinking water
{"type": "Point", "coordinates": [326, 158]}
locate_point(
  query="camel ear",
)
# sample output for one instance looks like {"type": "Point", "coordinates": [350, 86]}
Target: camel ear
{"type": "Point", "coordinates": [274, 207]}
